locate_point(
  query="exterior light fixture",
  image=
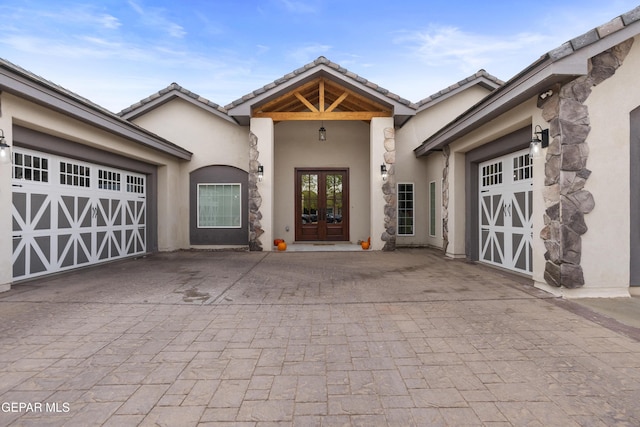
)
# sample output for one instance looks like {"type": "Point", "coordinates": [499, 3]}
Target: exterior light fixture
{"type": "Point", "coordinates": [322, 133]}
{"type": "Point", "coordinates": [383, 172]}
{"type": "Point", "coordinates": [539, 141]}
{"type": "Point", "coordinates": [260, 172]}
{"type": "Point", "coordinates": [5, 153]}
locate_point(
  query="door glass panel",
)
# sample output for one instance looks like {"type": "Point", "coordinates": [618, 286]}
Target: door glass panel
{"type": "Point", "coordinates": [309, 195]}
{"type": "Point", "coordinates": [334, 198]}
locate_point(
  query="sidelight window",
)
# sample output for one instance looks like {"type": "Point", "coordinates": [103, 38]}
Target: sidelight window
{"type": "Point", "coordinates": [405, 209]}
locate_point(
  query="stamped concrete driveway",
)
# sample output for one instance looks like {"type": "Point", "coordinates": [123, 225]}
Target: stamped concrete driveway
{"type": "Point", "coordinates": [326, 338]}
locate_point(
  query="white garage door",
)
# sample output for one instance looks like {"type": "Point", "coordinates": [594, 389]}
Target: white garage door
{"type": "Point", "coordinates": [67, 213]}
{"type": "Point", "coordinates": [506, 204]}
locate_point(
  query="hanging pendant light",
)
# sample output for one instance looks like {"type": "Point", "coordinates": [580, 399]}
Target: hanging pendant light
{"type": "Point", "coordinates": [322, 133]}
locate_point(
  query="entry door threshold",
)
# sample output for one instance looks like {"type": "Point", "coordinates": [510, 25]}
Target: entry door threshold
{"type": "Point", "coordinates": [323, 247]}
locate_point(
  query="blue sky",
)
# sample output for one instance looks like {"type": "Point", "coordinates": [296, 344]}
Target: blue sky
{"type": "Point", "coordinates": [118, 52]}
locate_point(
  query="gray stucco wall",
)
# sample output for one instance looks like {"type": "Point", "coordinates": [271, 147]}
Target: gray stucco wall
{"type": "Point", "coordinates": [218, 174]}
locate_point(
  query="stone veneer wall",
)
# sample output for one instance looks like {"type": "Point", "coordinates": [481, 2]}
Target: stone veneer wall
{"type": "Point", "coordinates": [566, 174]}
{"type": "Point", "coordinates": [446, 152]}
{"type": "Point", "coordinates": [389, 191]}
{"type": "Point", "coordinates": [255, 200]}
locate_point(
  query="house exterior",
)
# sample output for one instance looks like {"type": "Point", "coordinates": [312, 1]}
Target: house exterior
{"type": "Point", "coordinates": [582, 208]}
{"type": "Point", "coordinates": [452, 171]}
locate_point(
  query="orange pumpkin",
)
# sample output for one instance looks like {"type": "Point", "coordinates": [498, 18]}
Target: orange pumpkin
{"type": "Point", "coordinates": [282, 246]}
{"type": "Point", "coordinates": [277, 241]}
{"type": "Point", "coordinates": [365, 245]}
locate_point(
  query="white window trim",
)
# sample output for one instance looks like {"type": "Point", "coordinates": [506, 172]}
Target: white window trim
{"type": "Point", "coordinates": [413, 223]}
{"type": "Point", "coordinates": [433, 209]}
{"type": "Point", "coordinates": [198, 205]}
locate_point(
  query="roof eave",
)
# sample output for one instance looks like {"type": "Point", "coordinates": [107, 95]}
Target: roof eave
{"type": "Point", "coordinates": [241, 110]}
{"type": "Point", "coordinates": [22, 85]}
{"type": "Point", "coordinates": [560, 65]}
{"type": "Point", "coordinates": [152, 103]}
{"type": "Point", "coordinates": [476, 80]}
{"type": "Point", "coordinates": [495, 104]}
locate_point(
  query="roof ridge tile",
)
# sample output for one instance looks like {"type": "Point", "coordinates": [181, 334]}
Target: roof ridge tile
{"type": "Point", "coordinates": [321, 60]}
{"type": "Point", "coordinates": [476, 76]}
{"type": "Point", "coordinates": [171, 88]}
{"type": "Point", "coordinates": [595, 34]}
{"type": "Point", "coordinates": [631, 16]}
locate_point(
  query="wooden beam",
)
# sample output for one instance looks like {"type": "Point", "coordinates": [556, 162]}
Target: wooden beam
{"type": "Point", "coordinates": [283, 98]}
{"type": "Point", "coordinates": [309, 105]}
{"type": "Point", "coordinates": [340, 115]}
{"type": "Point", "coordinates": [314, 95]}
{"type": "Point", "coordinates": [337, 102]}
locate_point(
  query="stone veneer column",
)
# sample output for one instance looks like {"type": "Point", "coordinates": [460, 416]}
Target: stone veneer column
{"type": "Point", "coordinates": [446, 152]}
{"type": "Point", "coordinates": [255, 200]}
{"type": "Point", "coordinates": [566, 173]}
{"type": "Point", "coordinates": [389, 191]}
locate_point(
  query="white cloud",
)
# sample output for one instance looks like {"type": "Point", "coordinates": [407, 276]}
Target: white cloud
{"type": "Point", "coordinates": [109, 22]}
{"type": "Point", "coordinates": [154, 18]}
{"type": "Point", "coordinates": [262, 49]}
{"type": "Point", "coordinates": [302, 7]}
{"type": "Point", "coordinates": [450, 46]}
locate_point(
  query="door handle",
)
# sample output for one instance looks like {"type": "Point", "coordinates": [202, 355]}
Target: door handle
{"type": "Point", "coordinates": [507, 210]}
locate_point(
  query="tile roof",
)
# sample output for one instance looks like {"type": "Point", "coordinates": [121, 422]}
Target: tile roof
{"type": "Point", "coordinates": [49, 84]}
{"type": "Point", "coordinates": [481, 74]}
{"type": "Point", "coordinates": [478, 114]}
{"type": "Point", "coordinates": [78, 104]}
{"type": "Point", "coordinates": [594, 35]}
{"type": "Point", "coordinates": [472, 78]}
{"type": "Point", "coordinates": [317, 63]}
{"type": "Point", "coordinates": [173, 87]}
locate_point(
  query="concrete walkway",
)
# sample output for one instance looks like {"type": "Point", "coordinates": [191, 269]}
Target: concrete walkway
{"type": "Point", "coordinates": [308, 339]}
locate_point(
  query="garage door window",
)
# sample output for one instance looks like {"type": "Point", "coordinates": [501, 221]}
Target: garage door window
{"type": "Point", "coordinates": [219, 206]}
{"type": "Point", "coordinates": [135, 184]}
{"type": "Point", "coordinates": [108, 180]}
{"type": "Point", "coordinates": [74, 174]}
{"type": "Point", "coordinates": [30, 167]}
{"type": "Point", "coordinates": [491, 174]}
{"type": "Point", "coordinates": [522, 168]}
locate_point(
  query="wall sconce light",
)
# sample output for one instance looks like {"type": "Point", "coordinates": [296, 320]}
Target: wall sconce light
{"type": "Point", "coordinates": [322, 133]}
{"type": "Point", "coordinates": [383, 171]}
{"type": "Point", "coordinates": [5, 149]}
{"type": "Point", "coordinates": [260, 172]}
{"type": "Point", "coordinates": [539, 141]}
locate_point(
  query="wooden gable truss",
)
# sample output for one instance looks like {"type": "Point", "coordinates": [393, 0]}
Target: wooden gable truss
{"type": "Point", "coordinates": [321, 99]}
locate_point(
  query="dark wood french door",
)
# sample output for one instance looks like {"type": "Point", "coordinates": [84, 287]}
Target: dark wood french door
{"type": "Point", "coordinates": [322, 204]}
